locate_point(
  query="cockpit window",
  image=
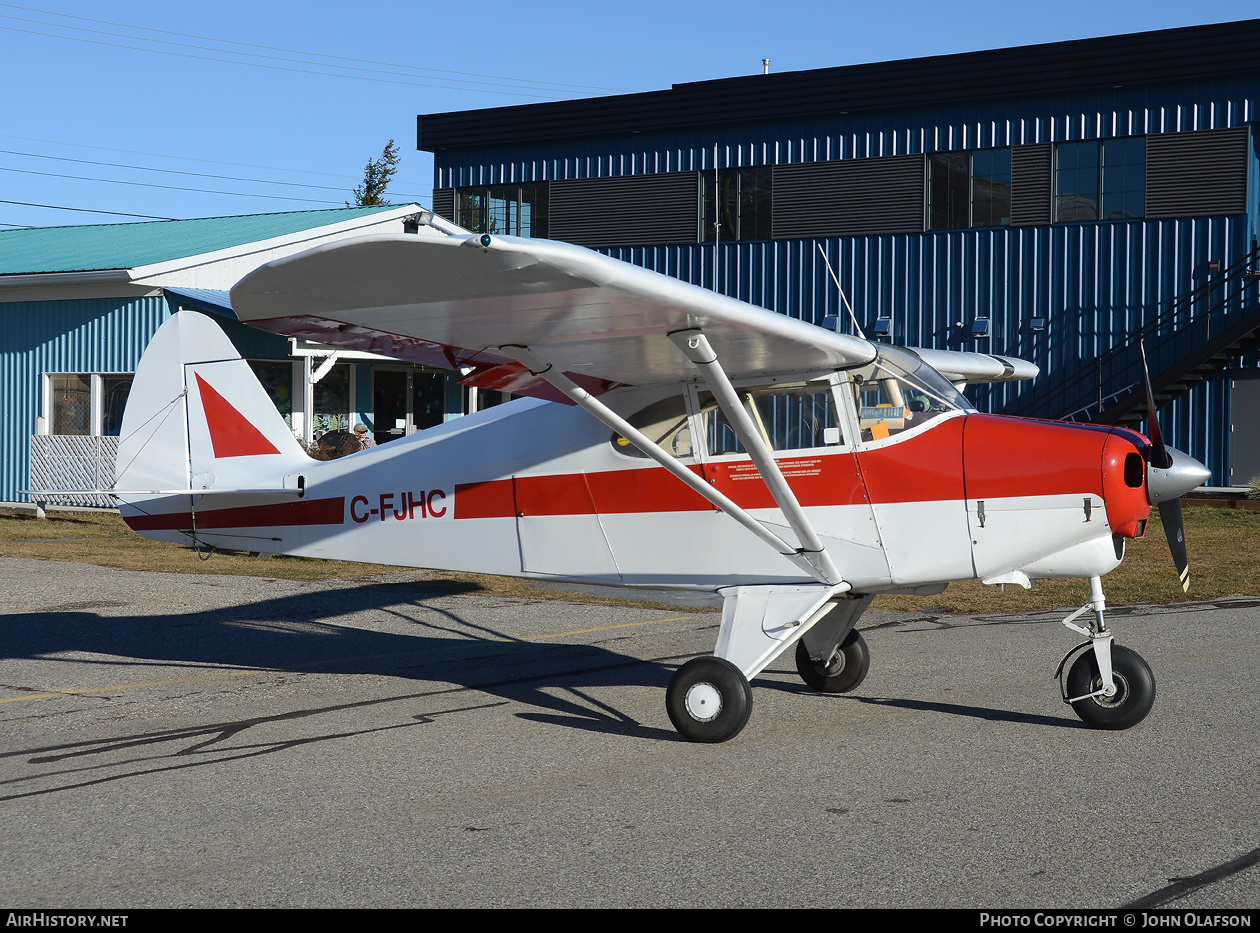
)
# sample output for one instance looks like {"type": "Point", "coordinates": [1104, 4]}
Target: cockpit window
{"type": "Point", "coordinates": [794, 416]}
{"type": "Point", "coordinates": [897, 392]}
{"type": "Point", "coordinates": [664, 422]}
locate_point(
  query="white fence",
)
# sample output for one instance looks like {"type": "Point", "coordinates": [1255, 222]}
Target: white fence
{"type": "Point", "coordinates": [61, 462]}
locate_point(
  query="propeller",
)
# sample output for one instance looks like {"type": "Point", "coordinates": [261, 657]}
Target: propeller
{"type": "Point", "coordinates": [1170, 474]}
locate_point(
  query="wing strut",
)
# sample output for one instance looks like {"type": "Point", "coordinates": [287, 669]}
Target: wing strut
{"type": "Point", "coordinates": [697, 348]}
{"type": "Point", "coordinates": [544, 370]}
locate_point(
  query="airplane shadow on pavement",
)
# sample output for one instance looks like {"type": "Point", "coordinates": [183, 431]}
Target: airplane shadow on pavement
{"type": "Point", "coordinates": [302, 633]}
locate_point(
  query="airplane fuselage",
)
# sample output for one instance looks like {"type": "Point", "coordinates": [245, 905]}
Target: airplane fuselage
{"type": "Point", "coordinates": [541, 489]}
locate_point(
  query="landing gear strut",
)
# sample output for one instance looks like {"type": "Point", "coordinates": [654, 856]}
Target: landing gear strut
{"type": "Point", "coordinates": [1108, 686]}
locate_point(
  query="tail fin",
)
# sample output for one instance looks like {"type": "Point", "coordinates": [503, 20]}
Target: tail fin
{"type": "Point", "coordinates": [197, 418]}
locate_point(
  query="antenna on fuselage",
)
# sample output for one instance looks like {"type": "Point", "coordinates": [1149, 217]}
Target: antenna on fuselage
{"type": "Point", "coordinates": [840, 289]}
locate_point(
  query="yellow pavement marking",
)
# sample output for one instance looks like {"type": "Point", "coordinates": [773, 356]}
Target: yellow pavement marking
{"type": "Point", "coordinates": [189, 680]}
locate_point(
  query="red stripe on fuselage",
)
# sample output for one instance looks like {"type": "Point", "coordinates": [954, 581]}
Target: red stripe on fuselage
{"type": "Point", "coordinates": [824, 479]}
{"type": "Point", "coordinates": [976, 457]}
{"type": "Point", "coordinates": [302, 512]}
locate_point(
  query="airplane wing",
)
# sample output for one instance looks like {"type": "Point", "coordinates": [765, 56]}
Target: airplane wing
{"type": "Point", "coordinates": [451, 302]}
{"type": "Point", "coordinates": [963, 368]}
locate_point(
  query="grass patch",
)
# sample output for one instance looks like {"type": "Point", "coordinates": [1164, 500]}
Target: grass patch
{"type": "Point", "coordinates": [1223, 547]}
{"type": "Point", "coordinates": [102, 538]}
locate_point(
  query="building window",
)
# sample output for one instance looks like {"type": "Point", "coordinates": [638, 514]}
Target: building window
{"type": "Point", "coordinates": [735, 204]}
{"type": "Point", "coordinates": [330, 401]}
{"type": "Point", "coordinates": [115, 387]}
{"type": "Point", "coordinates": [277, 382]}
{"type": "Point", "coordinates": [1100, 180]}
{"type": "Point", "coordinates": [86, 404]}
{"type": "Point", "coordinates": [969, 189]}
{"type": "Point", "coordinates": [511, 210]}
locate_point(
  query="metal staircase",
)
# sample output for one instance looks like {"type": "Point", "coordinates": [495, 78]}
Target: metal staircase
{"type": "Point", "coordinates": [1212, 326]}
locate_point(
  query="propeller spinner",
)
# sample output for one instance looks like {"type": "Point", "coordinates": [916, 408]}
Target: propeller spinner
{"type": "Point", "coordinates": [1170, 474]}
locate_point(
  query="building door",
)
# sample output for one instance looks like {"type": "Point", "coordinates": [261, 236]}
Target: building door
{"type": "Point", "coordinates": [1244, 439]}
{"type": "Point", "coordinates": [405, 401]}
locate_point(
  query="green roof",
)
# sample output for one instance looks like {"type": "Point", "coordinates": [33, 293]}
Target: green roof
{"type": "Point", "coordinates": [125, 246]}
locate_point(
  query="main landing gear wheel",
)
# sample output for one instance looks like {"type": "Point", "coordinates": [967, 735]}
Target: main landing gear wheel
{"type": "Point", "coordinates": [1134, 696]}
{"type": "Point", "coordinates": [846, 669]}
{"type": "Point", "coordinates": [709, 700]}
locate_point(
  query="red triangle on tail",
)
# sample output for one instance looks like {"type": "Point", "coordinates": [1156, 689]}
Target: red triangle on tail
{"type": "Point", "coordinates": [230, 433]}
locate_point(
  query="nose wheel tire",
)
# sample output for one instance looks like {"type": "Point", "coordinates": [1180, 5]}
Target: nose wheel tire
{"type": "Point", "coordinates": [709, 700]}
{"type": "Point", "coordinates": [843, 672]}
{"type": "Point", "coordinates": [1134, 696]}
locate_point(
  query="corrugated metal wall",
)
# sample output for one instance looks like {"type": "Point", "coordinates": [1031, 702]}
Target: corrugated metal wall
{"type": "Point", "coordinates": [37, 337]}
{"type": "Point", "coordinates": [91, 335]}
{"type": "Point", "coordinates": [1121, 112]}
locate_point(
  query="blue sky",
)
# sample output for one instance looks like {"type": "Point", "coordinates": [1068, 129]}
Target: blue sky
{"type": "Point", "coordinates": [139, 100]}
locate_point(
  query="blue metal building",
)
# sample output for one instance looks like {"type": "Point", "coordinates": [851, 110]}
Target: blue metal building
{"type": "Point", "coordinates": [1062, 203]}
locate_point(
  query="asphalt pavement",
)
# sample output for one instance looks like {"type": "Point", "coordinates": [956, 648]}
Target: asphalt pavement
{"type": "Point", "coordinates": [170, 740]}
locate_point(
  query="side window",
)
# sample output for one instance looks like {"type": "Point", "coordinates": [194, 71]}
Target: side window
{"type": "Point", "coordinates": [664, 422]}
{"type": "Point", "coordinates": [789, 417]}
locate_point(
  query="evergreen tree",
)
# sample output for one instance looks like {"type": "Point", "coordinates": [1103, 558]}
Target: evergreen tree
{"type": "Point", "coordinates": [376, 177]}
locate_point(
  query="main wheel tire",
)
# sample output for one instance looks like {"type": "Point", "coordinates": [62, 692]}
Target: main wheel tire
{"type": "Point", "coordinates": [709, 700]}
{"type": "Point", "coordinates": [1135, 689]}
{"type": "Point", "coordinates": [846, 669]}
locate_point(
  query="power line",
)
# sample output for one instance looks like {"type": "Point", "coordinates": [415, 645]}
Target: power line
{"type": "Point", "coordinates": [440, 71]}
{"type": "Point", "coordinates": [332, 74]}
{"type": "Point", "coordinates": [87, 210]}
{"type": "Point", "coordinates": [160, 155]}
{"type": "Point", "coordinates": [147, 184]}
{"type": "Point", "coordinates": [228, 61]}
{"type": "Point", "coordinates": [143, 168]}
{"type": "Point", "coordinates": [168, 171]}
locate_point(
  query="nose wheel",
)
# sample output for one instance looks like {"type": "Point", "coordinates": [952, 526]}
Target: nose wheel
{"type": "Point", "coordinates": [1108, 686]}
{"type": "Point", "coordinates": [709, 700]}
{"type": "Point", "coordinates": [1130, 700]}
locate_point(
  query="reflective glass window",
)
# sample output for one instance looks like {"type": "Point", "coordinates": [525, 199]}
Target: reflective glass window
{"type": "Point", "coordinates": [665, 423]}
{"type": "Point", "coordinates": [331, 401]}
{"type": "Point", "coordinates": [735, 204]}
{"type": "Point", "coordinates": [71, 403]}
{"type": "Point", "coordinates": [1124, 178]}
{"type": "Point", "coordinates": [969, 189]}
{"type": "Point", "coordinates": [510, 210]}
{"type": "Point", "coordinates": [898, 392]}
{"type": "Point", "coordinates": [115, 387]}
{"type": "Point", "coordinates": [788, 417]}
{"type": "Point", "coordinates": [1100, 180]}
{"type": "Point", "coordinates": [277, 381]}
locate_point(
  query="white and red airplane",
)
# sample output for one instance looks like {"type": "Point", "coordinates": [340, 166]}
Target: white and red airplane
{"type": "Point", "coordinates": [671, 437]}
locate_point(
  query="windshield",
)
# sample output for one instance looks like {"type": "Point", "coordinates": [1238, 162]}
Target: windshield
{"type": "Point", "coordinates": [897, 392]}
